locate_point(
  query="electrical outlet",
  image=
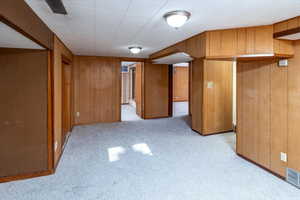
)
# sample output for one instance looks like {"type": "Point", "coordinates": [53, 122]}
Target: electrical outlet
{"type": "Point", "coordinates": [283, 157]}
{"type": "Point", "coordinates": [55, 145]}
{"type": "Point", "coordinates": [78, 114]}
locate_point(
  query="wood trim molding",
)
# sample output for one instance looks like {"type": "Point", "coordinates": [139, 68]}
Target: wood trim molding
{"type": "Point", "coordinates": [20, 16]}
{"type": "Point", "coordinates": [19, 30]}
{"type": "Point", "coordinates": [287, 32]}
{"type": "Point", "coordinates": [50, 112]}
{"type": "Point", "coordinates": [25, 176]}
{"type": "Point", "coordinates": [251, 161]}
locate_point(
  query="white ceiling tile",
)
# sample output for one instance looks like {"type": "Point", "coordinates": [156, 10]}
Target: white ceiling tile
{"type": "Point", "coordinates": [108, 27]}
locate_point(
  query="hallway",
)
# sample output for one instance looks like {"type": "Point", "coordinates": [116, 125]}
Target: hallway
{"type": "Point", "coordinates": [151, 159]}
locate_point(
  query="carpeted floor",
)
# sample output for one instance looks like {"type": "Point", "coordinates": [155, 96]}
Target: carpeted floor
{"type": "Point", "coordinates": [151, 160]}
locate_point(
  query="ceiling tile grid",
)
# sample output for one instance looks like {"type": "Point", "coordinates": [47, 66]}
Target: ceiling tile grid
{"type": "Point", "coordinates": [108, 28]}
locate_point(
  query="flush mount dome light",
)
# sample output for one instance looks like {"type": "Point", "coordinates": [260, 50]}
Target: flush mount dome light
{"type": "Point", "coordinates": [135, 50]}
{"type": "Point", "coordinates": [177, 18]}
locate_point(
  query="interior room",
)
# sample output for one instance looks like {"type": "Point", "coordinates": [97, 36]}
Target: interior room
{"type": "Point", "coordinates": [145, 100]}
{"type": "Point", "coordinates": [131, 91]}
{"type": "Point", "coordinates": [180, 89]}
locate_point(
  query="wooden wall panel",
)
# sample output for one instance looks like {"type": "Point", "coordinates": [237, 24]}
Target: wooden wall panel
{"type": "Point", "coordinates": [197, 94]}
{"type": "Point", "coordinates": [294, 109]}
{"type": "Point", "coordinates": [231, 43]}
{"type": "Point", "coordinates": [24, 113]}
{"type": "Point", "coordinates": [60, 52]}
{"type": "Point", "coordinates": [180, 84]}
{"type": "Point", "coordinates": [240, 111]}
{"type": "Point", "coordinates": [283, 47]}
{"type": "Point", "coordinates": [19, 15]}
{"type": "Point", "coordinates": [279, 108]}
{"type": "Point", "coordinates": [97, 89]}
{"type": "Point", "coordinates": [196, 46]}
{"type": "Point", "coordinates": [254, 121]}
{"type": "Point", "coordinates": [287, 25]}
{"type": "Point", "coordinates": [217, 99]}
{"type": "Point", "coordinates": [139, 92]}
{"type": "Point", "coordinates": [263, 41]}
{"type": "Point", "coordinates": [262, 113]}
{"type": "Point", "coordinates": [156, 90]}
{"type": "Point", "coordinates": [255, 40]}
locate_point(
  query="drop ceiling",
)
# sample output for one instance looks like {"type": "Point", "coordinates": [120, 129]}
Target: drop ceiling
{"type": "Point", "coordinates": [9, 38]}
{"type": "Point", "coordinates": [108, 27]}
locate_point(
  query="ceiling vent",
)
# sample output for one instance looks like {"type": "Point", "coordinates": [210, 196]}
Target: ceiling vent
{"type": "Point", "coordinates": [293, 177]}
{"type": "Point", "coordinates": [57, 6]}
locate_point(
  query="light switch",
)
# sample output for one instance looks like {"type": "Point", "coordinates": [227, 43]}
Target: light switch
{"type": "Point", "coordinates": [77, 114]}
{"type": "Point", "coordinates": [210, 84]}
{"type": "Point", "coordinates": [55, 145]}
{"type": "Point", "coordinates": [283, 157]}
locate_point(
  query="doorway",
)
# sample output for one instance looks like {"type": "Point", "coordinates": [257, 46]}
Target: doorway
{"type": "Point", "coordinates": [180, 90]}
{"type": "Point", "coordinates": [66, 101]}
{"type": "Point", "coordinates": [131, 76]}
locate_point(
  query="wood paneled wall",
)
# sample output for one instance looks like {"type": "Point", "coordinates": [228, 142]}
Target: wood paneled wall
{"type": "Point", "coordinates": [217, 99]}
{"type": "Point", "coordinates": [156, 90]}
{"type": "Point", "coordinates": [24, 115]}
{"type": "Point", "coordinates": [262, 113]}
{"type": "Point", "coordinates": [287, 25]}
{"type": "Point", "coordinates": [60, 52]}
{"type": "Point", "coordinates": [97, 89]}
{"type": "Point", "coordinates": [139, 91]}
{"type": "Point", "coordinates": [22, 18]}
{"type": "Point", "coordinates": [294, 109]}
{"type": "Point", "coordinates": [211, 98]}
{"type": "Point", "coordinates": [197, 68]}
{"type": "Point", "coordinates": [180, 84]}
{"type": "Point", "coordinates": [233, 43]}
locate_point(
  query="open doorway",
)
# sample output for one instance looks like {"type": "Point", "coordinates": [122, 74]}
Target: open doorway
{"type": "Point", "coordinates": [131, 76]}
{"type": "Point", "coordinates": [180, 89]}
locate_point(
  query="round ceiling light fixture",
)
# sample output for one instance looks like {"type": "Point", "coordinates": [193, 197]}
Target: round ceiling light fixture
{"type": "Point", "coordinates": [135, 50]}
{"type": "Point", "coordinates": [177, 18]}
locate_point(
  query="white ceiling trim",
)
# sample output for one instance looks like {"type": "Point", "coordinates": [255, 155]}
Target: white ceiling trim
{"type": "Point", "coordinates": [173, 59]}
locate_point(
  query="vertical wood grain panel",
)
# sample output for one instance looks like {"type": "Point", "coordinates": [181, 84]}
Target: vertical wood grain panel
{"type": "Point", "coordinates": [59, 51]}
{"type": "Point", "coordinates": [139, 89]}
{"type": "Point", "coordinates": [241, 41]}
{"type": "Point", "coordinates": [156, 88]}
{"type": "Point", "coordinates": [279, 106]}
{"type": "Point", "coordinates": [254, 111]}
{"type": "Point", "coordinates": [294, 109]}
{"type": "Point", "coordinates": [263, 39]}
{"type": "Point", "coordinates": [240, 117]}
{"type": "Point", "coordinates": [197, 94]}
{"type": "Point", "coordinates": [180, 83]}
{"type": "Point", "coordinates": [217, 101]}
{"type": "Point", "coordinates": [24, 112]}
{"type": "Point", "coordinates": [97, 89]}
